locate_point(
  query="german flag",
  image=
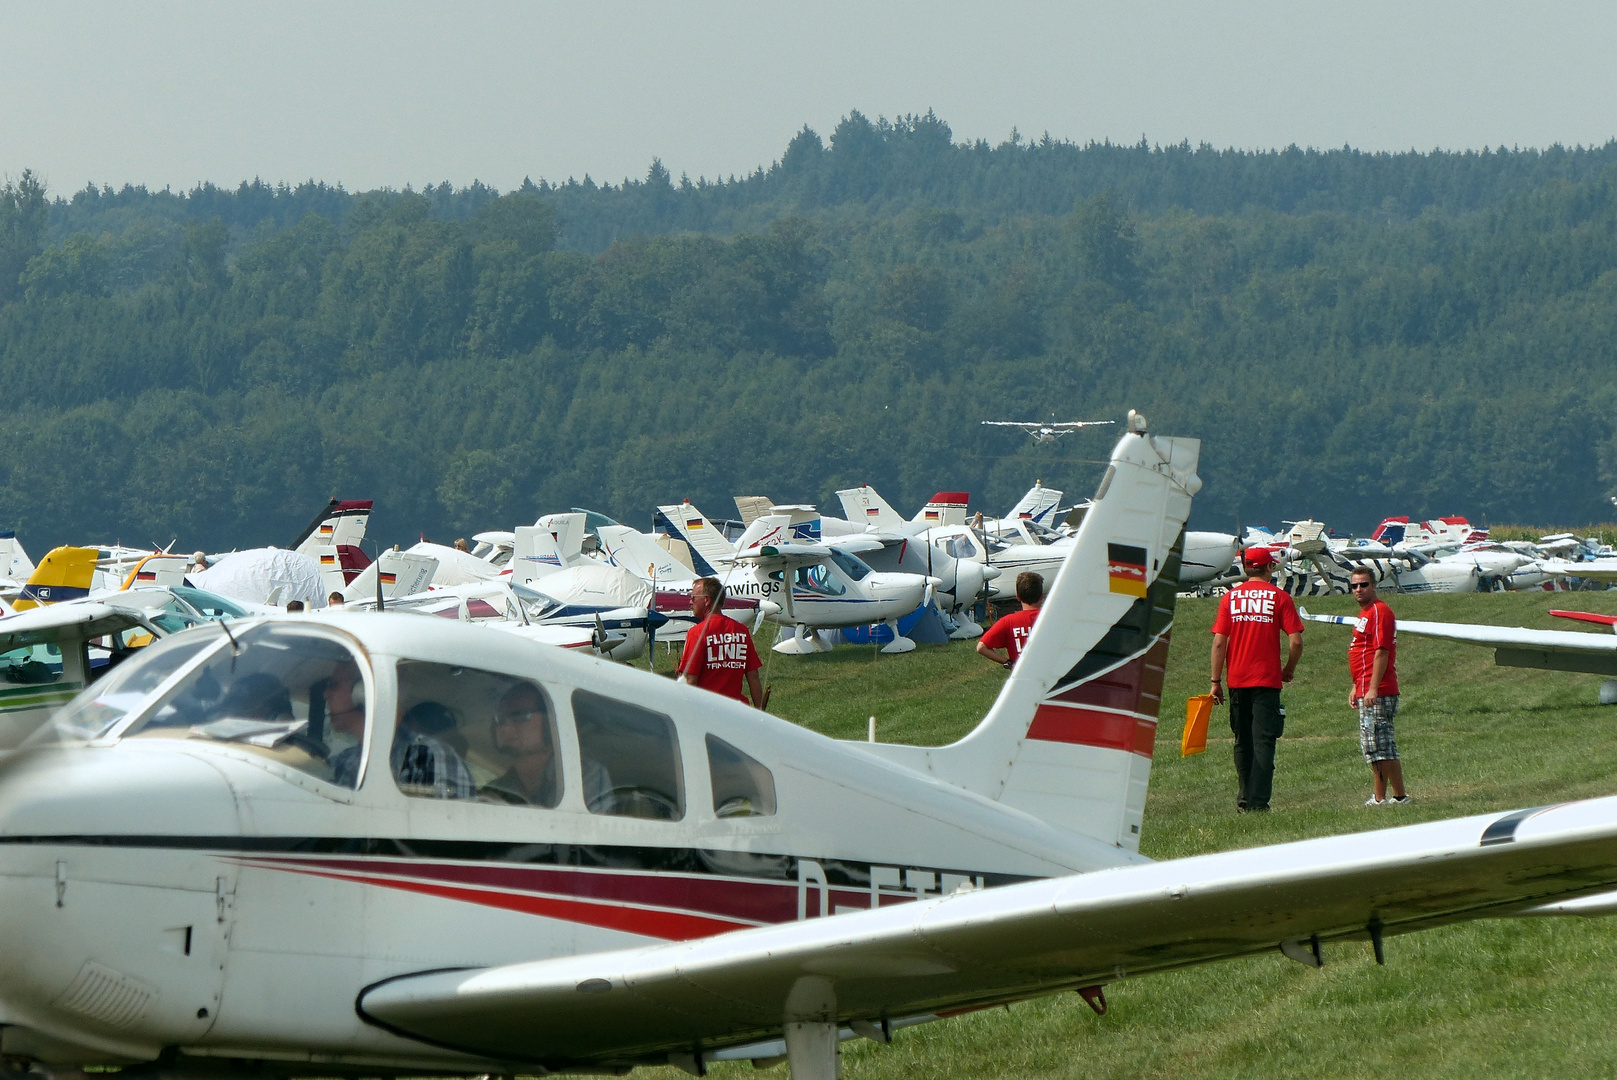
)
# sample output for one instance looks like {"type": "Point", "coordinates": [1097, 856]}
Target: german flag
{"type": "Point", "coordinates": [327, 529]}
{"type": "Point", "coordinates": [1125, 569]}
{"type": "Point", "coordinates": [389, 578]}
{"type": "Point", "coordinates": [933, 515]}
{"type": "Point", "coordinates": [693, 523]}
{"type": "Point", "coordinates": [328, 560]}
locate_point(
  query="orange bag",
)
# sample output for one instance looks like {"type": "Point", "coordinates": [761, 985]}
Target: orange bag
{"type": "Point", "coordinates": [1198, 710]}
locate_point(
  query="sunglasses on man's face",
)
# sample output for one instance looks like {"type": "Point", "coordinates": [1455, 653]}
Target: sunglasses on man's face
{"type": "Point", "coordinates": [1361, 584]}
{"type": "Point", "coordinates": [503, 719]}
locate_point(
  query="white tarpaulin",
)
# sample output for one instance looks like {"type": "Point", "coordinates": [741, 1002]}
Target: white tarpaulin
{"type": "Point", "coordinates": [253, 575]}
{"type": "Point", "coordinates": [597, 586]}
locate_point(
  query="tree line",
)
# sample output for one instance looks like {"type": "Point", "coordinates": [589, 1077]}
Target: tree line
{"type": "Point", "coordinates": [1351, 335]}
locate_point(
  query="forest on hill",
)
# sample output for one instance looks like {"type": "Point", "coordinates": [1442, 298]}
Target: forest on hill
{"type": "Point", "coordinates": [1351, 335]}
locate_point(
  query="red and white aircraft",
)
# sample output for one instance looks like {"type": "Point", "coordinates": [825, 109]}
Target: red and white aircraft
{"type": "Point", "coordinates": [382, 845]}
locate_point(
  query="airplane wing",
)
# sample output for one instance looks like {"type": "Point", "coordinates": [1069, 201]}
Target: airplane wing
{"type": "Point", "coordinates": [1595, 570]}
{"type": "Point", "coordinates": [1516, 646]}
{"type": "Point", "coordinates": [73, 620]}
{"type": "Point", "coordinates": [1015, 423]}
{"type": "Point", "coordinates": [1067, 425]}
{"type": "Point", "coordinates": [986, 946]}
{"type": "Point", "coordinates": [788, 554]}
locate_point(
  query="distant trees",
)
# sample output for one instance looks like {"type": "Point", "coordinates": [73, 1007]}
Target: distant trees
{"type": "Point", "coordinates": [1349, 334]}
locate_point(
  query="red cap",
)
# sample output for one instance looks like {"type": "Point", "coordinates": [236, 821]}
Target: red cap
{"type": "Point", "coordinates": [1258, 557]}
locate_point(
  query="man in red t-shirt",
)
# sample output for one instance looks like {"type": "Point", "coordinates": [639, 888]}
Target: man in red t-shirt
{"type": "Point", "coordinates": [1372, 660]}
{"type": "Point", "coordinates": [1005, 640]}
{"type": "Point", "coordinates": [718, 650]}
{"type": "Point", "coordinates": [1246, 634]}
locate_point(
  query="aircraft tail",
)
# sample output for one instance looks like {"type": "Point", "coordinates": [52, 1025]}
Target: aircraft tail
{"type": "Point", "coordinates": [341, 524]}
{"type": "Point", "coordinates": [634, 551]}
{"type": "Point", "coordinates": [65, 573]}
{"type": "Point", "coordinates": [862, 506]}
{"type": "Point", "coordinates": [1038, 505]}
{"type": "Point", "coordinates": [536, 551]}
{"type": "Point", "coordinates": [1391, 531]}
{"type": "Point", "coordinates": [14, 561]}
{"type": "Point", "coordinates": [751, 507]}
{"type": "Point", "coordinates": [403, 573]}
{"type": "Point", "coordinates": [1069, 739]}
{"type": "Point", "coordinates": [946, 508]}
{"type": "Point", "coordinates": [711, 553]}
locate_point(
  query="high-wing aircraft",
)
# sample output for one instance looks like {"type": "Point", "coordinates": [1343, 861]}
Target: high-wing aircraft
{"type": "Point", "coordinates": [1046, 432]}
{"type": "Point", "coordinates": [363, 844]}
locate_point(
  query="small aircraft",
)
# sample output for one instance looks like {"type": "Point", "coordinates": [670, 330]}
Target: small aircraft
{"type": "Point", "coordinates": [1047, 432]}
{"type": "Point", "coordinates": [831, 586]}
{"type": "Point", "coordinates": [371, 844]}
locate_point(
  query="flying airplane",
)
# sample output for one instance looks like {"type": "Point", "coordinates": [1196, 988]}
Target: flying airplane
{"type": "Point", "coordinates": [249, 849]}
{"type": "Point", "coordinates": [1046, 432]}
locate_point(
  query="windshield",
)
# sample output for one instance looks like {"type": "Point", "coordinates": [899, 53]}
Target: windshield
{"type": "Point", "coordinates": [538, 605]}
{"type": "Point", "coordinates": [287, 692]}
{"type": "Point", "coordinates": [118, 693]}
{"type": "Point", "coordinates": [210, 604]}
{"type": "Point", "coordinates": [855, 567]}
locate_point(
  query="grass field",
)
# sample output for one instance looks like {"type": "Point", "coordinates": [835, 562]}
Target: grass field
{"type": "Point", "coordinates": [1503, 998]}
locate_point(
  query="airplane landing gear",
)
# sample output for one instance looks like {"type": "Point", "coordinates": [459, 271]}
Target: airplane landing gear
{"type": "Point", "coordinates": [899, 644]}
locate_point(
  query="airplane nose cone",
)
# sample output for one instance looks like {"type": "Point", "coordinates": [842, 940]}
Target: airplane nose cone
{"type": "Point", "coordinates": [989, 573]}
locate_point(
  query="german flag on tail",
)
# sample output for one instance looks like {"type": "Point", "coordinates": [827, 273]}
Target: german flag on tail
{"type": "Point", "coordinates": [1125, 569]}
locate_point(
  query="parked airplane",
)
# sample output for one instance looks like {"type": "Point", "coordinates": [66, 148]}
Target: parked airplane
{"type": "Point", "coordinates": [253, 850]}
{"type": "Point", "coordinates": [1046, 432]}
{"type": "Point", "coordinates": [831, 586]}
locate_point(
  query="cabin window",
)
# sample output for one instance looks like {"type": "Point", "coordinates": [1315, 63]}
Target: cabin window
{"type": "Point", "coordinates": [125, 689]}
{"type": "Point", "coordinates": [32, 665]}
{"type": "Point", "coordinates": [637, 753]}
{"type": "Point", "coordinates": [465, 733]}
{"type": "Point", "coordinates": [851, 564]}
{"type": "Point", "coordinates": [961, 547]}
{"type": "Point", "coordinates": [286, 693]}
{"type": "Point", "coordinates": [742, 787]}
{"type": "Point", "coordinates": [818, 579]}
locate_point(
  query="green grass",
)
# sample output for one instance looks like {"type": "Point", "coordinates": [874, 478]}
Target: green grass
{"type": "Point", "coordinates": [1501, 998]}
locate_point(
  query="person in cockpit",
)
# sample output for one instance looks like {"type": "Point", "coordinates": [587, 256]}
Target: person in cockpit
{"type": "Point", "coordinates": [424, 763]}
{"type": "Point", "coordinates": [345, 714]}
{"type": "Point", "coordinates": [524, 733]}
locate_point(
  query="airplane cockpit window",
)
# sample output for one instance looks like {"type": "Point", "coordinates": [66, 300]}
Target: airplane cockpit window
{"type": "Point", "coordinates": [1042, 533]}
{"type": "Point", "coordinates": [742, 787]}
{"type": "Point", "coordinates": [637, 753]}
{"type": "Point", "coordinates": [818, 579]}
{"type": "Point", "coordinates": [537, 604]}
{"type": "Point", "coordinates": [108, 701]}
{"type": "Point", "coordinates": [32, 665]}
{"type": "Point", "coordinates": [209, 604]}
{"type": "Point", "coordinates": [287, 693]}
{"type": "Point", "coordinates": [465, 733]}
{"type": "Point", "coordinates": [852, 565]}
{"type": "Point", "coordinates": [961, 547]}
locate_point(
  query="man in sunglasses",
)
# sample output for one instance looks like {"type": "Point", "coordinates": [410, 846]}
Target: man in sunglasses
{"type": "Point", "coordinates": [1246, 636]}
{"type": "Point", "coordinates": [1371, 659]}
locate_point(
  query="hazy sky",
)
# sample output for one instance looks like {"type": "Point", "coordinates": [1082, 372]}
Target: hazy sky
{"type": "Point", "coordinates": [372, 94]}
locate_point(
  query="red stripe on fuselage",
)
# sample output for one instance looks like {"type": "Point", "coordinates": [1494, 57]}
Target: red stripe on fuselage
{"type": "Point", "coordinates": [667, 925]}
{"type": "Point", "coordinates": [1090, 727]}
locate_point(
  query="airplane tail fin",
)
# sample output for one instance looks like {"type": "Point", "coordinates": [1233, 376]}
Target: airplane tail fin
{"type": "Point", "coordinates": [14, 561]}
{"type": "Point", "coordinates": [946, 508]}
{"type": "Point", "coordinates": [403, 573]}
{"type": "Point", "coordinates": [711, 553]}
{"type": "Point", "coordinates": [1069, 739]}
{"type": "Point", "coordinates": [634, 551]}
{"type": "Point", "coordinates": [1391, 531]}
{"type": "Point", "coordinates": [536, 552]}
{"type": "Point", "coordinates": [751, 507]}
{"type": "Point", "coordinates": [862, 506]}
{"type": "Point", "coordinates": [1038, 505]}
{"type": "Point", "coordinates": [65, 573]}
{"type": "Point", "coordinates": [341, 523]}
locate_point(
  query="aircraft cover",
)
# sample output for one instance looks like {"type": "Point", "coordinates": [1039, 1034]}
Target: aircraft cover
{"type": "Point", "coordinates": [251, 576]}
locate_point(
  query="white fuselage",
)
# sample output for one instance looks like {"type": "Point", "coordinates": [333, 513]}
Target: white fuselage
{"type": "Point", "coordinates": [200, 895]}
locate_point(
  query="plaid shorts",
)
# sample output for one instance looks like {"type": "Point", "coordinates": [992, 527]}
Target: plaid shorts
{"type": "Point", "coordinates": [1376, 737]}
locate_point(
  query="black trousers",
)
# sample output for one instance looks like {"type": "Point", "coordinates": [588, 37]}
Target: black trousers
{"type": "Point", "coordinates": [1255, 719]}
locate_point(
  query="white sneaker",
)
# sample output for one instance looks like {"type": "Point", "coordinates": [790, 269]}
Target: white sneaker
{"type": "Point", "coordinates": [1398, 800]}
{"type": "Point", "coordinates": [1373, 801]}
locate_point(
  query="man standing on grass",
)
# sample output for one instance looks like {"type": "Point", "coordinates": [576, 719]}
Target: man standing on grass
{"type": "Point", "coordinates": [1007, 638]}
{"type": "Point", "coordinates": [1246, 633]}
{"type": "Point", "coordinates": [1372, 660]}
{"type": "Point", "coordinates": [719, 652]}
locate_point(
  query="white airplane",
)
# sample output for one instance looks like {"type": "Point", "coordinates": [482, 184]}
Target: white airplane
{"type": "Point", "coordinates": [1315, 564]}
{"type": "Point", "coordinates": [831, 586]}
{"type": "Point", "coordinates": [250, 850]}
{"type": "Point", "coordinates": [1046, 432]}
